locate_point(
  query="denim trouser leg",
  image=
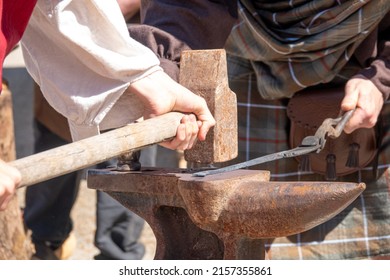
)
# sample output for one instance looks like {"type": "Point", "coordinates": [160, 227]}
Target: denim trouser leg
{"type": "Point", "coordinates": [48, 207]}
{"type": "Point", "coordinates": [48, 204]}
{"type": "Point", "coordinates": [118, 229]}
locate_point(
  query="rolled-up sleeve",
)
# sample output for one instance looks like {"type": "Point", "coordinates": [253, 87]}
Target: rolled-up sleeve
{"type": "Point", "coordinates": [378, 68]}
{"type": "Point", "coordinates": [81, 55]}
{"type": "Point", "coordinates": [379, 71]}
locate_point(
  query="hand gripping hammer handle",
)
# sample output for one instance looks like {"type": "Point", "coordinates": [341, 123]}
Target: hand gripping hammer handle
{"type": "Point", "coordinates": [91, 151]}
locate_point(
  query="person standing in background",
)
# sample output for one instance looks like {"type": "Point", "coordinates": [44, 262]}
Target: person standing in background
{"type": "Point", "coordinates": [275, 50]}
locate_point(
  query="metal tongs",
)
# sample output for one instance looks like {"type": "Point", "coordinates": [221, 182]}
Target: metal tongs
{"type": "Point", "coordinates": [329, 128]}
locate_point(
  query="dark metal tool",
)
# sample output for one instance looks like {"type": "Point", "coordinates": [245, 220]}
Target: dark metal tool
{"type": "Point", "coordinates": [329, 128]}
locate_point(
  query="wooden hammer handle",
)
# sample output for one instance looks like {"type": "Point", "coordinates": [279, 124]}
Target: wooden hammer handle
{"type": "Point", "coordinates": [90, 151]}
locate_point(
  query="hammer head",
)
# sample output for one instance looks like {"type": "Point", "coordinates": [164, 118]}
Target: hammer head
{"type": "Point", "coordinates": [204, 72]}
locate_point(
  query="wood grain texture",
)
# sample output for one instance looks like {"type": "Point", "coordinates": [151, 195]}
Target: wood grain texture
{"type": "Point", "coordinates": [91, 151]}
{"type": "Point", "coordinates": [14, 243]}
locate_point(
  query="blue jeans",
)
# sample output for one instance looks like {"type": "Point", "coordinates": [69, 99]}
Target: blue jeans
{"type": "Point", "coordinates": [48, 207]}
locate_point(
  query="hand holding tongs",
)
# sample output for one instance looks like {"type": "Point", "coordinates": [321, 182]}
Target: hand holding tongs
{"type": "Point", "coordinates": [329, 128]}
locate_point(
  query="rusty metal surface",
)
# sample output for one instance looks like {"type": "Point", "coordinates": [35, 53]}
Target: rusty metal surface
{"type": "Point", "coordinates": [225, 215]}
{"type": "Point", "coordinates": [265, 209]}
{"type": "Point", "coordinates": [204, 72]}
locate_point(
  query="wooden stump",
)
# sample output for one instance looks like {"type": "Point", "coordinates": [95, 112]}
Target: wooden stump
{"type": "Point", "coordinates": [14, 243]}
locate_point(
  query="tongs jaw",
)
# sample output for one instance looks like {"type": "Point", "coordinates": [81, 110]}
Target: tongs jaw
{"type": "Point", "coordinates": [329, 128]}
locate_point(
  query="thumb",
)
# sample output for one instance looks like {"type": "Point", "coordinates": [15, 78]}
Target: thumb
{"type": "Point", "coordinates": [350, 99]}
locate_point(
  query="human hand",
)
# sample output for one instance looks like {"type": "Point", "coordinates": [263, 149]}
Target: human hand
{"type": "Point", "coordinates": [161, 94]}
{"type": "Point", "coordinates": [362, 94]}
{"type": "Point", "coordinates": [9, 180]}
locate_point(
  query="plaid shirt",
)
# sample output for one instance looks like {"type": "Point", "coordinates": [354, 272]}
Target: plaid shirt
{"type": "Point", "coordinates": [362, 230]}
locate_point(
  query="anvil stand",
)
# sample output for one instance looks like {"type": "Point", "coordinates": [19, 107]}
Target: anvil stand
{"type": "Point", "coordinates": [224, 216]}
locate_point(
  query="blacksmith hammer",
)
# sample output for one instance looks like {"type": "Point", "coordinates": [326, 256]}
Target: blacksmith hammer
{"type": "Point", "coordinates": [204, 72]}
{"type": "Point", "coordinates": [91, 151]}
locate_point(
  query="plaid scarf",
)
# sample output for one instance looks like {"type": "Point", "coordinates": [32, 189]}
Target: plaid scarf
{"type": "Point", "coordinates": [296, 44]}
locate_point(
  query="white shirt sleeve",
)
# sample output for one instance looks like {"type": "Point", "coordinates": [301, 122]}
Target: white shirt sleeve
{"type": "Point", "coordinates": [81, 55]}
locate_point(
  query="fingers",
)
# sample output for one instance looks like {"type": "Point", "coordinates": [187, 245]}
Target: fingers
{"type": "Point", "coordinates": [351, 96]}
{"type": "Point", "coordinates": [186, 135]}
{"type": "Point", "coordinates": [4, 201]}
{"type": "Point", "coordinates": [187, 101]}
{"type": "Point", "coordinates": [9, 179]}
{"type": "Point", "coordinates": [206, 119]}
{"type": "Point", "coordinates": [160, 94]}
{"type": "Point", "coordinates": [362, 94]}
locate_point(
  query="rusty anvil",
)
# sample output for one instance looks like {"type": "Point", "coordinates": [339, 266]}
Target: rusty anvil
{"type": "Point", "coordinates": [223, 216]}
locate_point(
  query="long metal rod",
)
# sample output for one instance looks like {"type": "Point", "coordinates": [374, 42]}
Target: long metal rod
{"type": "Point", "coordinates": [267, 158]}
{"type": "Point", "coordinates": [309, 144]}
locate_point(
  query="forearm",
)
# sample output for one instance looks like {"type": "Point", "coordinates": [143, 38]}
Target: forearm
{"type": "Point", "coordinates": [129, 8]}
{"type": "Point", "coordinates": [378, 72]}
{"type": "Point", "coordinates": [368, 90]}
{"type": "Point", "coordinates": [81, 55]}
